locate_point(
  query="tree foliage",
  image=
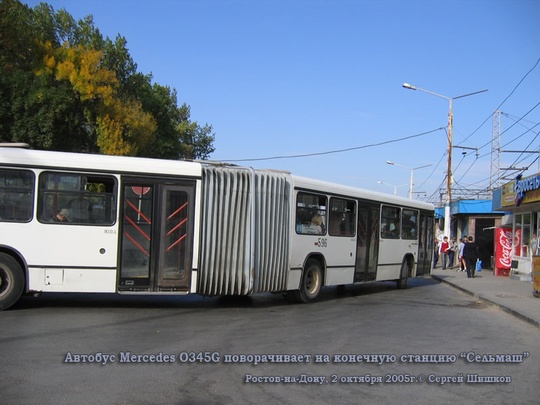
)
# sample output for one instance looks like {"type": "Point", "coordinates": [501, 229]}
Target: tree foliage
{"type": "Point", "coordinates": [65, 87]}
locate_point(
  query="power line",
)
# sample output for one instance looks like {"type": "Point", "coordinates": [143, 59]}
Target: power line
{"type": "Point", "coordinates": [296, 156]}
{"type": "Point", "coordinates": [334, 151]}
{"type": "Point", "coordinates": [506, 98]}
{"type": "Point", "coordinates": [529, 130]}
{"type": "Point", "coordinates": [506, 130]}
{"type": "Point", "coordinates": [435, 168]}
{"type": "Point", "coordinates": [510, 127]}
{"type": "Point", "coordinates": [523, 134]}
{"type": "Point", "coordinates": [504, 101]}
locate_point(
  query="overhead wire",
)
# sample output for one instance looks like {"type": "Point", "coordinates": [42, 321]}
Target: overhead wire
{"type": "Point", "coordinates": [504, 101]}
{"type": "Point", "coordinates": [432, 197]}
{"type": "Point", "coordinates": [303, 155]}
{"type": "Point", "coordinates": [486, 120]}
{"type": "Point", "coordinates": [519, 136]}
{"type": "Point", "coordinates": [529, 144]}
{"type": "Point", "coordinates": [491, 115]}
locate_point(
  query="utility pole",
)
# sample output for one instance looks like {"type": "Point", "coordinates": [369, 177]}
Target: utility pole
{"type": "Point", "coordinates": [494, 175]}
{"type": "Point", "coordinates": [447, 211]}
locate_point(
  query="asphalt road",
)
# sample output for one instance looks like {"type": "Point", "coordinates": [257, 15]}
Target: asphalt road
{"type": "Point", "coordinates": [360, 344]}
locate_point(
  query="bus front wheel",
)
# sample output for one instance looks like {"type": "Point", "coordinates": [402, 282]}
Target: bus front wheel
{"type": "Point", "coordinates": [311, 283]}
{"type": "Point", "coordinates": [11, 281]}
{"type": "Point", "coordinates": [403, 276]}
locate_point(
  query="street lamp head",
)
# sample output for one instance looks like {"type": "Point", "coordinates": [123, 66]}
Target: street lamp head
{"type": "Point", "coordinates": [389, 162]}
{"type": "Point", "coordinates": [447, 212]}
{"type": "Point", "coordinates": [409, 86]}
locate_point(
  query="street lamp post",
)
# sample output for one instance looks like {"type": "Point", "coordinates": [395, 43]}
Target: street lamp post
{"type": "Point", "coordinates": [412, 169]}
{"type": "Point", "coordinates": [447, 214]}
{"type": "Point", "coordinates": [391, 185]}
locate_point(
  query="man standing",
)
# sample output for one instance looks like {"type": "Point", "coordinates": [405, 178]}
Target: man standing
{"type": "Point", "coordinates": [452, 252]}
{"type": "Point", "coordinates": [445, 249]}
{"type": "Point", "coordinates": [470, 253]}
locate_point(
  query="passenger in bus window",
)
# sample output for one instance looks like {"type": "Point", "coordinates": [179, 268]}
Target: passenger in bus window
{"type": "Point", "coordinates": [394, 233]}
{"type": "Point", "coordinates": [409, 227]}
{"type": "Point", "coordinates": [391, 230]}
{"type": "Point", "coordinates": [80, 209]}
{"type": "Point", "coordinates": [336, 224]}
{"type": "Point", "coordinates": [317, 224]}
{"type": "Point", "coordinates": [386, 229]}
{"type": "Point", "coordinates": [61, 216]}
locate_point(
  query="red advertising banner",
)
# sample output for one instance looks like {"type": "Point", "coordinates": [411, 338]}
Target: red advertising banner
{"type": "Point", "coordinates": [503, 251]}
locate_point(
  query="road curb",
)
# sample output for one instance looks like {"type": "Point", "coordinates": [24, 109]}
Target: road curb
{"type": "Point", "coordinates": [479, 296]}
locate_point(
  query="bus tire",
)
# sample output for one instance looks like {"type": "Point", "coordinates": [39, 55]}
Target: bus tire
{"type": "Point", "coordinates": [311, 283]}
{"type": "Point", "coordinates": [403, 276]}
{"type": "Point", "coordinates": [11, 281]}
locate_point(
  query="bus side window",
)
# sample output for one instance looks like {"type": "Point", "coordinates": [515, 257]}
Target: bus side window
{"type": "Point", "coordinates": [16, 195]}
{"type": "Point", "coordinates": [310, 214]}
{"type": "Point", "coordinates": [409, 227]}
{"type": "Point", "coordinates": [390, 222]}
{"type": "Point", "coordinates": [342, 221]}
{"type": "Point", "coordinates": [85, 199]}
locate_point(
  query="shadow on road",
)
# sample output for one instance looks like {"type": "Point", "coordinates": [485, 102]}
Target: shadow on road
{"type": "Point", "coordinates": [88, 300]}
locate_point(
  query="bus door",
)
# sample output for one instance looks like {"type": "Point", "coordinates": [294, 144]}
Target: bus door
{"type": "Point", "coordinates": [157, 236]}
{"type": "Point", "coordinates": [426, 245]}
{"type": "Point", "coordinates": [367, 250]}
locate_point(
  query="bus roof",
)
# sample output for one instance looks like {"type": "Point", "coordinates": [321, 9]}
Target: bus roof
{"type": "Point", "coordinates": [349, 191]}
{"type": "Point", "coordinates": [19, 156]}
{"type": "Point", "coordinates": [22, 157]}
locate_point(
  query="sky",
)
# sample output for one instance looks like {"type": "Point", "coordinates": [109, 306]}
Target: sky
{"type": "Point", "coordinates": [314, 87]}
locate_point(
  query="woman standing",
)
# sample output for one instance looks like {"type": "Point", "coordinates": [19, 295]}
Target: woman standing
{"type": "Point", "coordinates": [462, 262]}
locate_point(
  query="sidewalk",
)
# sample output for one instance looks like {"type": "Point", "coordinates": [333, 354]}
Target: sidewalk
{"type": "Point", "coordinates": [513, 296]}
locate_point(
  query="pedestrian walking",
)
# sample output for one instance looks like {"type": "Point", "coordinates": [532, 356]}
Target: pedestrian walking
{"type": "Point", "coordinates": [470, 253]}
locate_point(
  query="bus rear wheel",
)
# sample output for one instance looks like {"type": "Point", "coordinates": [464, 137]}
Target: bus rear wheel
{"type": "Point", "coordinates": [11, 281]}
{"type": "Point", "coordinates": [311, 283]}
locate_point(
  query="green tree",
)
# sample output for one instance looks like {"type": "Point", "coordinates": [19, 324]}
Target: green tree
{"type": "Point", "coordinates": [122, 126]}
{"type": "Point", "coordinates": [65, 87]}
{"type": "Point", "coordinates": [197, 141]}
{"type": "Point", "coordinates": [33, 109]}
{"type": "Point", "coordinates": [176, 135]}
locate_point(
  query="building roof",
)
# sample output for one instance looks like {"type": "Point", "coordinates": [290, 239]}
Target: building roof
{"type": "Point", "coordinates": [469, 207]}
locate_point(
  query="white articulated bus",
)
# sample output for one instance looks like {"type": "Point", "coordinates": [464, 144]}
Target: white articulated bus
{"type": "Point", "coordinates": [107, 224]}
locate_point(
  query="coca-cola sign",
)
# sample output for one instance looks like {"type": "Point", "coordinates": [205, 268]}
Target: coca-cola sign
{"type": "Point", "coordinates": [503, 257]}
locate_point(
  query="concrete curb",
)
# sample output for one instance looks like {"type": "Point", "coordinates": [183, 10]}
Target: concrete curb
{"type": "Point", "coordinates": [481, 297]}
